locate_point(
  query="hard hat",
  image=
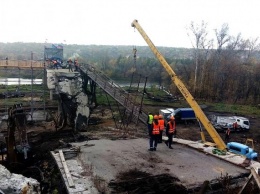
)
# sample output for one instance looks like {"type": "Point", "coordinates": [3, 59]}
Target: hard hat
{"type": "Point", "coordinates": [155, 117]}
{"type": "Point", "coordinates": [160, 116]}
{"type": "Point", "coordinates": [172, 118]}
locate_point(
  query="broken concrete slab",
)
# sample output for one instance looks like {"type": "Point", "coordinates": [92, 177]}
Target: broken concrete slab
{"type": "Point", "coordinates": [16, 183]}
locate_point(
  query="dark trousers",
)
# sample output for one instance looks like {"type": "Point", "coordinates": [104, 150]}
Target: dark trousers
{"type": "Point", "coordinates": [169, 141]}
{"type": "Point", "coordinates": [150, 128]}
{"type": "Point", "coordinates": [70, 68]}
{"type": "Point", "coordinates": [153, 141]}
{"type": "Point", "coordinates": [160, 136]}
{"type": "Point", "coordinates": [227, 138]}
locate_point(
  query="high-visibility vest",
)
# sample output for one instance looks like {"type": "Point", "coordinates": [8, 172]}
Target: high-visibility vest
{"type": "Point", "coordinates": [161, 123]}
{"type": "Point", "coordinates": [156, 129]}
{"type": "Point", "coordinates": [171, 127]}
{"type": "Point", "coordinates": [150, 121]}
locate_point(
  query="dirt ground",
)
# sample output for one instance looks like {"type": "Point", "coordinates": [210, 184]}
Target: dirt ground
{"type": "Point", "coordinates": [43, 139]}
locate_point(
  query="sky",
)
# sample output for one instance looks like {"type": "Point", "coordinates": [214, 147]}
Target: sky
{"type": "Point", "coordinates": [108, 22]}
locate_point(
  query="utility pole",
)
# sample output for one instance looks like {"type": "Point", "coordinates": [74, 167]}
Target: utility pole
{"type": "Point", "coordinates": [32, 85]}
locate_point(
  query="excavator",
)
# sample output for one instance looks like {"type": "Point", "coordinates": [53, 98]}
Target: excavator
{"type": "Point", "coordinates": [202, 118]}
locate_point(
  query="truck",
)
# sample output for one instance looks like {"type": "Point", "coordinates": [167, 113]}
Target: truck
{"type": "Point", "coordinates": [166, 112]}
{"type": "Point", "coordinates": [221, 123]}
{"type": "Point", "coordinates": [242, 149]}
{"type": "Point", "coordinates": [183, 115]}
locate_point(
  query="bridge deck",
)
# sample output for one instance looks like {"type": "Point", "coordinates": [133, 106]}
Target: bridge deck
{"type": "Point", "coordinates": [22, 64]}
{"type": "Point", "coordinates": [108, 158]}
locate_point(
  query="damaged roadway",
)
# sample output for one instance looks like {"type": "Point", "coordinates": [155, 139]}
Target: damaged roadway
{"type": "Point", "coordinates": [107, 159]}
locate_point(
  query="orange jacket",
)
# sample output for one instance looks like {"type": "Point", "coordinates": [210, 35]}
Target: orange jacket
{"type": "Point", "coordinates": [161, 123]}
{"type": "Point", "coordinates": [156, 129]}
{"type": "Point", "coordinates": [171, 127]}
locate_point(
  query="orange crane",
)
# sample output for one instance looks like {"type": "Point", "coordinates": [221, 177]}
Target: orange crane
{"type": "Point", "coordinates": [189, 98]}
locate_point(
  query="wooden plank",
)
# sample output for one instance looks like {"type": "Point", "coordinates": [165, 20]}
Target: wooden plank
{"type": "Point", "coordinates": [248, 180]}
{"type": "Point", "coordinates": [256, 177]}
{"type": "Point", "coordinates": [210, 144]}
{"type": "Point", "coordinates": [56, 157]}
{"type": "Point", "coordinates": [66, 170]}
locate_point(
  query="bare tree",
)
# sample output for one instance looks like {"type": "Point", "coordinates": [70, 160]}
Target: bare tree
{"type": "Point", "coordinates": [199, 33]}
{"type": "Point", "coordinates": [222, 37]}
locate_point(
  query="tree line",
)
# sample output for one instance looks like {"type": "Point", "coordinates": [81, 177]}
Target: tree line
{"type": "Point", "coordinates": [224, 69]}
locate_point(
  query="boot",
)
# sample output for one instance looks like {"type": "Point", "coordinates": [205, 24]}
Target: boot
{"type": "Point", "coordinates": [170, 147]}
{"type": "Point", "coordinates": [151, 149]}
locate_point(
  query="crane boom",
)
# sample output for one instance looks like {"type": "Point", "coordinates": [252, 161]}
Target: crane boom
{"type": "Point", "coordinates": [194, 105]}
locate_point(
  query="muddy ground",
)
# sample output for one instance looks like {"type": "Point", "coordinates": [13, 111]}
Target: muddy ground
{"type": "Point", "coordinates": [43, 138]}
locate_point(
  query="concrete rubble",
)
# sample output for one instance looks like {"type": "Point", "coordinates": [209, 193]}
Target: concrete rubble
{"type": "Point", "coordinates": [16, 183]}
{"type": "Point", "coordinates": [70, 84]}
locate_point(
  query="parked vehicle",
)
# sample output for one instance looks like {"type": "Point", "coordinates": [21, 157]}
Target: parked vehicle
{"type": "Point", "coordinates": [242, 149]}
{"type": "Point", "coordinates": [183, 115]}
{"type": "Point", "coordinates": [221, 123]}
{"type": "Point", "coordinates": [166, 112]}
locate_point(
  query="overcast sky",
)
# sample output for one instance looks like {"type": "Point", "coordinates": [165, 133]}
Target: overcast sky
{"type": "Point", "coordinates": [108, 22]}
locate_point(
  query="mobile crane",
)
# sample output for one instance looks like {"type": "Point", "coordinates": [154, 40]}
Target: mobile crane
{"type": "Point", "coordinates": [189, 98]}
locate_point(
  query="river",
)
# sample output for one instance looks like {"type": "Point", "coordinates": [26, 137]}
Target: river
{"type": "Point", "coordinates": [17, 81]}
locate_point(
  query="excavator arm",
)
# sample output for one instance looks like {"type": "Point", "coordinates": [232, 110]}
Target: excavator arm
{"type": "Point", "coordinates": [194, 105]}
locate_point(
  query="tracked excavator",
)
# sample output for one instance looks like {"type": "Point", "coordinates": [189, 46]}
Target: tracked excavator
{"type": "Point", "coordinates": [202, 118]}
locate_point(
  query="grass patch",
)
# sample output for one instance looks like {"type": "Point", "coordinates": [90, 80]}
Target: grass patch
{"type": "Point", "coordinates": [241, 110]}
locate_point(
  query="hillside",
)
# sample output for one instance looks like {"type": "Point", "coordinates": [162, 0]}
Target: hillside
{"type": "Point", "coordinates": [93, 53]}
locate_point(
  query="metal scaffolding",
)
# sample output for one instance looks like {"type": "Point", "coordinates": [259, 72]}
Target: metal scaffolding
{"type": "Point", "coordinates": [30, 91]}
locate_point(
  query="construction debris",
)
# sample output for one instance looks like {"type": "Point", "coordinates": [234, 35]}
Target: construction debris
{"type": "Point", "coordinates": [16, 183]}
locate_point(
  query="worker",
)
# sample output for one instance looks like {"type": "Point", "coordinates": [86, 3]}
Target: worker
{"type": "Point", "coordinates": [170, 129]}
{"type": "Point", "coordinates": [235, 126]}
{"type": "Point", "coordinates": [227, 137]}
{"type": "Point", "coordinates": [76, 64]}
{"type": "Point", "coordinates": [55, 64]}
{"type": "Point", "coordinates": [70, 65]}
{"type": "Point", "coordinates": [150, 122]}
{"type": "Point", "coordinates": [162, 126]}
{"type": "Point", "coordinates": [154, 134]}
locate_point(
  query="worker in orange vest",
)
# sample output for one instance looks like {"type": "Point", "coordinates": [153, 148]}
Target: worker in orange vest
{"type": "Point", "coordinates": [227, 137]}
{"type": "Point", "coordinates": [154, 134]}
{"type": "Point", "coordinates": [55, 64]}
{"type": "Point", "coordinates": [235, 126]}
{"type": "Point", "coordinates": [70, 65]}
{"type": "Point", "coordinates": [162, 126]}
{"type": "Point", "coordinates": [76, 64]}
{"type": "Point", "coordinates": [170, 130]}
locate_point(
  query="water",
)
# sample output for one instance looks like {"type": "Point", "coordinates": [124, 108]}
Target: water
{"type": "Point", "coordinates": [15, 81]}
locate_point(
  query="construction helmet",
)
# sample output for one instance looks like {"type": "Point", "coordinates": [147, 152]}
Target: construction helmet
{"type": "Point", "coordinates": [160, 116]}
{"type": "Point", "coordinates": [172, 118]}
{"type": "Point", "coordinates": [155, 117]}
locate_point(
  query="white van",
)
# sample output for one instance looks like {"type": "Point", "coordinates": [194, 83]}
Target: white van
{"type": "Point", "coordinates": [224, 122]}
{"type": "Point", "coordinates": [165, 113]}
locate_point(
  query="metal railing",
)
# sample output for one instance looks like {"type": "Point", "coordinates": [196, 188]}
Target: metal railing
{"type": "Point", "coordinates": [134, 108]}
